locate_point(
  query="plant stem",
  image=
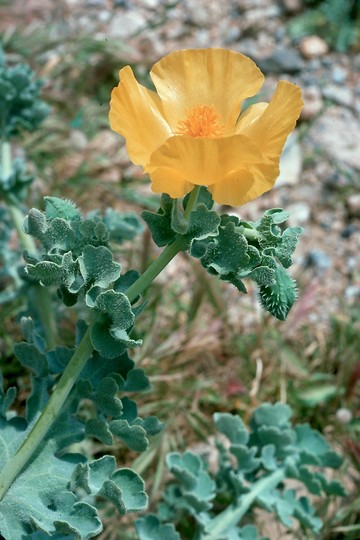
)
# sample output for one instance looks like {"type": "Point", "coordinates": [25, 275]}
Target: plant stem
{"type": "Point", "coordinates": [6, 158]}
{"type": "Point", "coordinates": [45, 309]}
{"type": "Point", "coordinates": [192, 201]}
{"type": "Point", "coordinates": [223, 522]}
{"type": "Point", "coordinates": [251, 234]}
{"type": "Point", "coordinates": [48, 415]}
{"type": "Point", "coordinates": [179, 244]}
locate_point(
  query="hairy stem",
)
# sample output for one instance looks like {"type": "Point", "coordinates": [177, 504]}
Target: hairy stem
{"type": "Point", "coordinates": [179, 244]}
{"type": "Point", "coordinates": [48, 415]}
{"type": "Point", "coordinates": [223, 522]}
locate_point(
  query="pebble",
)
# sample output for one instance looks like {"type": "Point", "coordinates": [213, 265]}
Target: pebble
{"type": "Point", "coordinates": [150, 4]}
{"type": "Point", "coordinates": [343, 415]}
{"type": "Point", "coordinates": [352, 292]}
{"type": "Point", "coordinates": [282, 60]}
{"type": "Point", "coordinates": [230, 33]}
{"type": "Point", "coordinates": [338, 134]}
{"type": "Point", "coordinates": [353, 205]}
{"type": "Point", "coordinates": [318, 259]}
{"type": "Point", "coordinates": [200, 13]}
{"type": "Point", "coordinates": [313, 102]}
{"type": "Point", "coordinates": [313, 47]}
{"type": "Point", "coordinates": [292, 6]}
{"type": "Point", "coordinates": [78, 139]}
{"type": "Point", "coordinates": [349, 230]}
{"type": "Point", "coordinates": [300, 213]}
{"type": "Point", "coordinates": [338, 75]}
{"type": "Point", "coordinates": [125, 25]}
{"type": "Point", "coordinates": [341, 95]}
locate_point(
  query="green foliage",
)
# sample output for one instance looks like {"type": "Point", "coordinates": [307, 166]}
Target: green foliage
{"type": "Point", "coordinates": [9, 258]}
{"type": "Point", "coordinates": [259, 251]}
{"type": "Point", "coordinates": [57, 488]}
{"type": "Point", "coordinates": [77, 255]}
{"type": "Point", "coordinates": [16, 182]}
{"type": "Point", "coordinates": [21, 108]}
{"type": "Point", "coordinates": [253, 466]}
{"type": "Point", "coordinates": [279, 297]}
{"type": "Point", "coordinates": [169, 221]}
{"type": "Point", "coordinates": [233, 249]}
{"type": "Point", "coordinates": [336, 22]}
{"type": "Point", "coordinates": [150, 527]}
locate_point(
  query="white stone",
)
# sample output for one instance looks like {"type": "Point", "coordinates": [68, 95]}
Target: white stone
{"type": "Point", "coordinates": [313, 47]}
{"type": "Point", "coordinates": [313, 102]}
{"type": "Point", "coordinates": [299, 213]}
{"type": "Point", "coordinates": [344, 415]}
{"type": "Point", "coordinates": [290, 162]}
{"type": "Point", "coordinates": [125, 25]}
{"type": "Point", "coordinates": [338, 133]}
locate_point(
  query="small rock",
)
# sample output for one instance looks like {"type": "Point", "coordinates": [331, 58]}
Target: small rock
{"type": "Point", "coordinates": [349, 230]}
{"type": "Point", "coordinates": [281, 61]}
{"type": "Point", "coordinates": [338, 75]}
{"type": "Point", "coordinates": [314, 64]}
{"type": "Point", "coordinates": [313, 47]}
{"type": "Point", "coordinates": [94, 3]}
{"type": "Point", "coordinates": [352, 292]}
{"type": "Point", "coordinates": [199, 13]}
{"type": "Point", "coordinates": [104, 15]}
{"type": "Point", "coordinates": [150, 4]}
{"type": "Point", "coordinates": [343, 415]}
{"type": "Point", "coordinates": [340, 95]}
{"type": "Point", "coordinates": [78, 139]}
{"type": "Point", "coordinates": [337, 133]}
{"type": "Point", "coordinates": [318, 259]}
{"type": "Point", "coordinates": [353, 205]}
{"type": "Point", "coordinates": [313, 102]}
{"type": "Point", "coordinates": [299, 213]}
{"type": "Point", "coordinates": [230, 33]}
{"type": "Point", "coordinates": [292, 6]}
{"type": "Point", "coordinates": [125, 25]}
{"type": "Point", "coordinates": [290, 162]}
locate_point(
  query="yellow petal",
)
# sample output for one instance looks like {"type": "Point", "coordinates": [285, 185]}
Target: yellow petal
{"type": "Point", "coordinates": [251, 114]}
{"type": "Point", "coordinates": [245, 184]}
{"type": "Point", "coordinates": [270, 130]}
{"type": "Point", "coordinates": [136, 114]}
{"type": "Point", "coordinates": [213, 77]}
{"type": "Point", "coordinates": [201, 161]}
{"type": "Point", "coordinates": [170, 182]}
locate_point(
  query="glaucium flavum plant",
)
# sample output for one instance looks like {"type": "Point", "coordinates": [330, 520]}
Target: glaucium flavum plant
{"type": "Point", "coordinates": [195, 143]}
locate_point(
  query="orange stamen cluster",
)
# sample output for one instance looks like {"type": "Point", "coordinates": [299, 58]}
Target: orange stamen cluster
{"type": "Point", "coordinates": [201, 121]}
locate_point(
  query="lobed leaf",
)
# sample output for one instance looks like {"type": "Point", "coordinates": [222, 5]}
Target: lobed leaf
{"type": "Point", "coordinates": [150, 528]}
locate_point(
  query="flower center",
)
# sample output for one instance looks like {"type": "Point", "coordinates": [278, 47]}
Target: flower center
{"type": "Point", "coordinates": [201, 121]}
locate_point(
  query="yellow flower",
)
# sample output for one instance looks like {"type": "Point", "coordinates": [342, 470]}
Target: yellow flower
{"type": "Point", "coordinates": [192, 132]}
